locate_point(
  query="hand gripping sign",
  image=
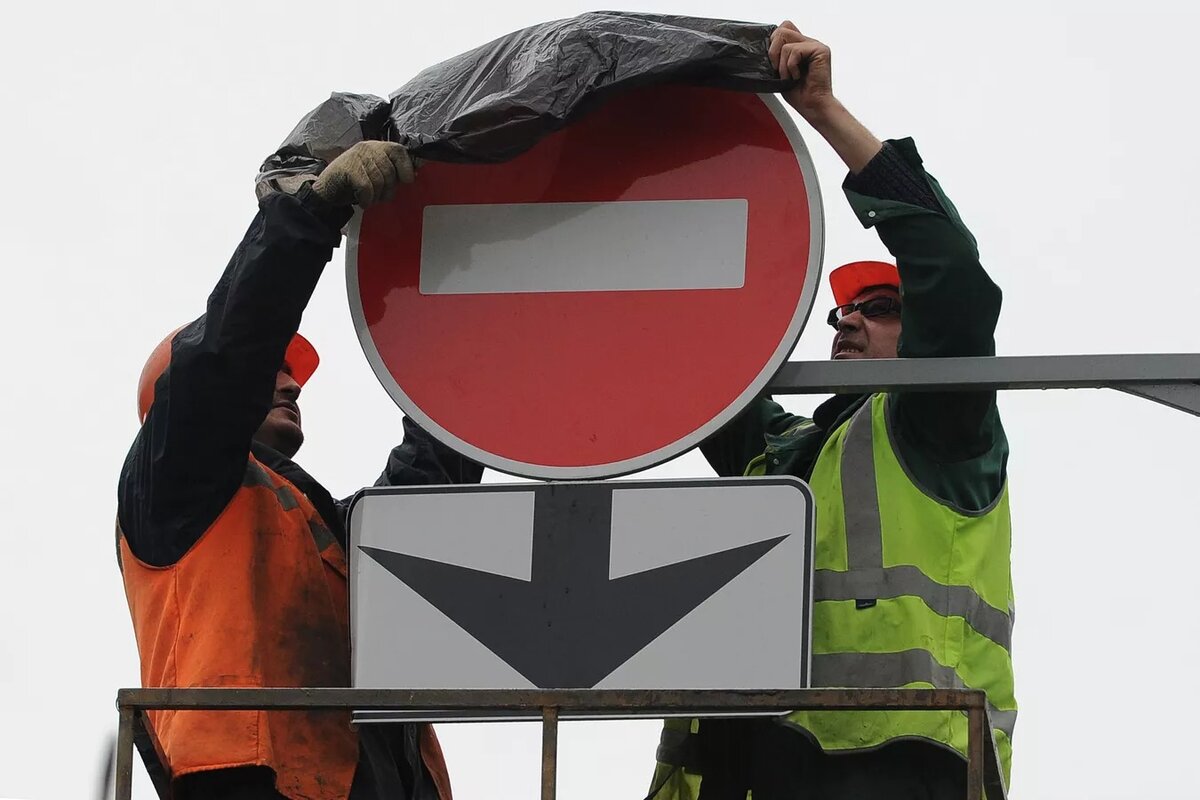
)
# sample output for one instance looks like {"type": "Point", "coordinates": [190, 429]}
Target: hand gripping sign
{"type": "Point", "coordinates": [607, 299]}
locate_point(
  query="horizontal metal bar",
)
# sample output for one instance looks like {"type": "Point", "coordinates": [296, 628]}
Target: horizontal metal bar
{"type": "Point", "coordinates": [856, 376]}
{"type": "Point", "coordinates": [646, 701]}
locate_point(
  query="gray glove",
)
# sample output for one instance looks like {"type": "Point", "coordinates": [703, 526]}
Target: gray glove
{"type": "Point", "coordinates": [367, 173]}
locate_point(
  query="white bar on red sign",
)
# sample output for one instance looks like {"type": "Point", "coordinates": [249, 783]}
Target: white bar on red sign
{"type": "Point", "coordinates": [583, 247]}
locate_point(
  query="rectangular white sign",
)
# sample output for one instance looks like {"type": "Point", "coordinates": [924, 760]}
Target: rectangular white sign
{"type": "Point", "coordinates": [604, 584]}
{"type": "Point", "coordinates": [583, 247]}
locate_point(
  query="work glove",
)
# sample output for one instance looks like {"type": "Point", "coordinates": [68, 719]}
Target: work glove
{"type": "Point", "coordinates": [367, 173]}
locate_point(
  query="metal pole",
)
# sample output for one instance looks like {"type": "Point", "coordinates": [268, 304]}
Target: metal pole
{"type": "Point", "coordinates": [124, 776]}
{"type": "Point", "coordinates": [975, 732]}
{"type": "Point", "coordinates": [1172, 379]}
{"type": "Point", "coordinates": [993, 770]}
{"type": "Point", "coordinates": [549, 752]}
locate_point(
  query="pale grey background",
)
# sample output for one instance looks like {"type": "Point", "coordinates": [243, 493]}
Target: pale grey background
{"type": "Point", "coordinates": [1064, 132]}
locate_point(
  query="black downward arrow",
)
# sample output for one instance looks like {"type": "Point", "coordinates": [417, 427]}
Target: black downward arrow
{"type": "Point", "coordinates": [570, 626]}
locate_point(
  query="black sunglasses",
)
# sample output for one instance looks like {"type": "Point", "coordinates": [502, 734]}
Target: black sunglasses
{"type": "Point", "coordinates": [875, 307]}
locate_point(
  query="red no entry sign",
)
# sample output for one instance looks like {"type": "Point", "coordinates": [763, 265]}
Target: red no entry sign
{"type": "Point", "coordinates": [604, 301]}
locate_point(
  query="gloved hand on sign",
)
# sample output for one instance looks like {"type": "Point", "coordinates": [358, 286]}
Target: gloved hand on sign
{"type": "Point", "coordinates": [367, 173]}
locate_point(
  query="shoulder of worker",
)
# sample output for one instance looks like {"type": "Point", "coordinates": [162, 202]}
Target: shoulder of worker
{"type": "Point", "coordinates": [792, 451]}
{"type": "Point", "coordinates": [791, 444]}
{"type": "Point", "coordinates": [738, 445]}
{"type": "Point", "coordinates": [797, 431]}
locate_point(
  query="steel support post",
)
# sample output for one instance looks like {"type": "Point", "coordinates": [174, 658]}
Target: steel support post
{"type": "Point", "coordinates": [1172, 379]}
{"type": "Point", "coordinates": [976, 718]}
{"type": "Point", "coordinates": [549, 752]}
{"type": "Point", "coordinates": [993, 771]}
{"type": "Point", "coordinates": [123, 779]}
{"type": "Point", "coordinates": [147, 747]}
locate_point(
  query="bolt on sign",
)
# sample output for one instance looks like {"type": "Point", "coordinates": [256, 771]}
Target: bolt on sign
{"type": "Point", "coordinates": [604, 301]}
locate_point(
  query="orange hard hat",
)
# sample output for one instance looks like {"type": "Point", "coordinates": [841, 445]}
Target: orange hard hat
{"type": "Point", "coordinates": [301, 360]}
{"type": "Point", "coordinates": [849, 280]}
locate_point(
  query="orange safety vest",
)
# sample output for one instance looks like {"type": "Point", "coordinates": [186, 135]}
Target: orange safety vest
{"type": "Point", "coordinates": [260, 600]}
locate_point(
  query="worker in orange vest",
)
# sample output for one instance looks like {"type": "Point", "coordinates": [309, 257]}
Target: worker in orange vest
{"type": "Point", "coordinates": [233, 557]}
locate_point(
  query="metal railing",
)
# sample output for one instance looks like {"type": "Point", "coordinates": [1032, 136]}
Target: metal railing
{"type": "Point", "coordinates": [984, 775]}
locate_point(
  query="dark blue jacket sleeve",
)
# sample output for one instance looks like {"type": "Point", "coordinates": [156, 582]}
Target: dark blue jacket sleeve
{"type": "Point", "coordinates": [188, 459]}
{"type": "Point", "coordinates": [421, 460]}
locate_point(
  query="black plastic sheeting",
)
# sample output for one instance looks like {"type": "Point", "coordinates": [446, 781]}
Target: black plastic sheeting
{"type": "Point", "coordinates": [498, 100]}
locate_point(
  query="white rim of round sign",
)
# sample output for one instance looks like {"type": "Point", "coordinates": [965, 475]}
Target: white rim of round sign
{"type": "Point", "coordinates": [816, 252]}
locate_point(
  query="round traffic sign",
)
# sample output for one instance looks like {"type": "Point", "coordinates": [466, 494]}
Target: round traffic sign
{"type": "Point", "coordinates": [604, 301]}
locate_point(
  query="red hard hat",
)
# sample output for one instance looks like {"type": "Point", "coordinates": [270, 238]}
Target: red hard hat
{"type": "Point", "coordinates": [849, 280]}
{"type": "Point", "coordinates": [301, 359]}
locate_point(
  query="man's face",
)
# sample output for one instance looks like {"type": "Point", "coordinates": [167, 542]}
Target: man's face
{"type": "Point", "coordinates": [868, 337]}
{"type": "Point", "coordinates": [281, 429]}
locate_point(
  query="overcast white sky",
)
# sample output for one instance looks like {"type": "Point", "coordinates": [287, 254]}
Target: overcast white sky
{"type": "Point", "coordinates": [132, 131]}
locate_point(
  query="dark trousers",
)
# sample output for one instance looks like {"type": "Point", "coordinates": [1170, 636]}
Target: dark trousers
{"type": "Point", "coordinates": [778, 763]}
{"type": "Point", "coordinates": [387, 754]}
{"type": "Point", "coordinates": [238, 783]}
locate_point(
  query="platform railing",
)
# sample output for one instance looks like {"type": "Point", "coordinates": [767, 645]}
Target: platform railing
{"type": "Point", "coordinates": [984, 775]}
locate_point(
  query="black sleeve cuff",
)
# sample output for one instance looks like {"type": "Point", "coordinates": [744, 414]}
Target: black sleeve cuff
{"type": "Point", "coordinates": [335, 217]}
{"type": "Point", "coordinates": [890, 176]}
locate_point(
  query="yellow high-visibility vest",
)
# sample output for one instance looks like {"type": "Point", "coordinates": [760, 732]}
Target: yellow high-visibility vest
{"type": "Point", "coordinates": [908, 591]}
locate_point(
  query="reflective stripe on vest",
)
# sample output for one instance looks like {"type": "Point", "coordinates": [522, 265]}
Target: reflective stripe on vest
{"type": "Point", "coordinates": [881, 670]}
{"type": "Point", "coordinates": [868, 579]}
{"type": "Point", "coordinates": [267, 580]}
{"type": "Point", "coordinates": [878, 609]}
{"type": "Point", "coordinates": [908, 591]}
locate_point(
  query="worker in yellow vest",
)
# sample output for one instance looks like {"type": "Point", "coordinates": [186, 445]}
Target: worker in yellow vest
{"type": "Point", "coordinates": [912, 584]}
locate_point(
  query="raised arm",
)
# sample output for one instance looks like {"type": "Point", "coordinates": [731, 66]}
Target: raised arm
{"type": "Point", "coordinates": [949, 304]}
{"type": "Point", "coordinates": [188, 459]}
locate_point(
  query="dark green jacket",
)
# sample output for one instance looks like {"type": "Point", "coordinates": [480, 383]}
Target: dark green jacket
{"type": "Point", "coordinates": [952, 443]}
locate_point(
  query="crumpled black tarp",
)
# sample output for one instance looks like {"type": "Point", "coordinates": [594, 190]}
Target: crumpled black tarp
{"type": "Point", "coordinates": [498, 100]}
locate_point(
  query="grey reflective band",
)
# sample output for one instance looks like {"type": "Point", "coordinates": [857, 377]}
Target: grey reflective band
{"type": "Point", "coordinates": [867, 670]}
{"type": "Point", "coordinates": [886, 583]}
{"type": "Point", "coordinates": [860, 500]}
{"type": "Point", "coordinates": [286, 498]}
{"type": "Point", "coordinates": [257, 476]}
{"type": "Point", "coordinates": [322, 536]}
{"type": "Point", "coordinates": [1004, 720]}
{"type": "Point", "coordinates": [870, 670]}
{"type": "Point", "coordinates": [867, 578]}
